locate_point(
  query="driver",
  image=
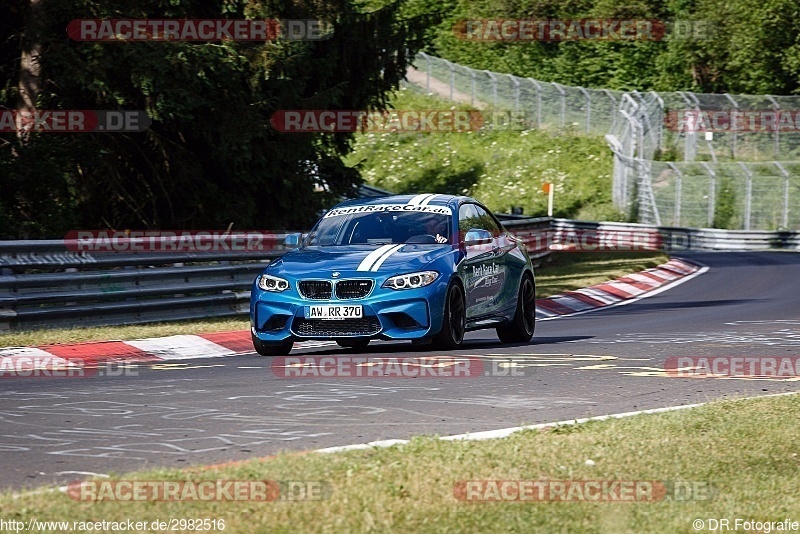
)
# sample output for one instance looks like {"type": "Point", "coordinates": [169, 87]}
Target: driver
{"type": "Point", "coordinates": [436, 225]}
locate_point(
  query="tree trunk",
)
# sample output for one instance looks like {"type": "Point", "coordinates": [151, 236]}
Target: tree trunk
{"type": "Point", "coordinates": [29, 65]}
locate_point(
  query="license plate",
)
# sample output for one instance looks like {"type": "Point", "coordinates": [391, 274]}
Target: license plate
{"type": "Point", "coordinates": [334, 312]}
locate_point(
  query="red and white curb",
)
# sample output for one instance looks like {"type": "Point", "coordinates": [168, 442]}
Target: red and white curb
{"type": "Point", "coordinates": [621, 291]}
{"type": "Point", "coordinates": [222, 344]}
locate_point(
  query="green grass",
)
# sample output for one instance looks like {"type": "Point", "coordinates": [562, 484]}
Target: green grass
{"type": "Point", "coordinates": [500, 168]}
{"type": "Point", "coordinates": [743, 450]}
{"type": "Point", "coordinates": [135, 331]}
{"type": "Point", "coordinates": [568, 271]}
{"type": "Point", "coordinates": [564, 271]}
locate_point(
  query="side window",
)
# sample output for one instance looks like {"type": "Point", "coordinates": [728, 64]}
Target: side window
{"type": "Point", "coordinates": [486, 221]}
{"type": "Point", "coordinates": [467, 219]}
{"type": "Point", "coordinates": [473, 216]}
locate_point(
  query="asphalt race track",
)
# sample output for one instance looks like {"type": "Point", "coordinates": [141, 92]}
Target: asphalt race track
{"type": "Point", "coordinates": [54, 431]}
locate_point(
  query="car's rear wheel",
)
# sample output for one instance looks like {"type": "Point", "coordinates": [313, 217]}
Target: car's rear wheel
{"type": "Point", "coordinates": [355, 344]}
{"type": "Point", "coordinates": [521, 328]}
{"type": "Point", "coordinates": [454, 321]}
{"type": "Point", "coordinates": [271, 349]}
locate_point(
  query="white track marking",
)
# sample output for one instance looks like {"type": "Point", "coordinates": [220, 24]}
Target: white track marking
{"type": "Point", "coordinates": [505, 432]}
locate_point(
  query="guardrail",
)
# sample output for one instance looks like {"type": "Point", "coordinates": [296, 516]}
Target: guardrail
{"type": "Point", "coordinates": [45, 284]}
{"type": "Point", "coordinates": [48, 284]}
{"type": "Point", "coordinates": [635, 236]}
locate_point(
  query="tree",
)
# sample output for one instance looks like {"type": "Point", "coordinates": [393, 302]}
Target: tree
{"type": "Point", "coordinates": [210, 157]}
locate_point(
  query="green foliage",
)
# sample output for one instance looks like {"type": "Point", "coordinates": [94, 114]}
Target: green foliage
{"type": "Point", "coordinates": [735, 46]}
{"type": "Point", "coordinates": [210, 157]}
{"type": "Point", "coordinates": [500, 168]}
{"type": "Point", "coordinates": [725, 208]}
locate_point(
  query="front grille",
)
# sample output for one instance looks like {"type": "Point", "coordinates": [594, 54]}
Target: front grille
{"type": "Point", "coordinates": [353, 289]}
{"type": "Point", "coordinates": [365, 326]}
{"type": "Point", "coordinates": [315, 289]}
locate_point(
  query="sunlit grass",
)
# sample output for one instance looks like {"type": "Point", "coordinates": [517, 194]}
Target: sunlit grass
{"type": "Point", "coordinates": [732, 459]}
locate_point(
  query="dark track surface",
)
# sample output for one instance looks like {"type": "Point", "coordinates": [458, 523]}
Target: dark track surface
{"type": "Point", "coordinates": [191, 412]}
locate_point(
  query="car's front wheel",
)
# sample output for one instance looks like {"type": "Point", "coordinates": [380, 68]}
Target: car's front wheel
{"type": "Point", "coordinates": [454, 321]}
{"type": "Point", "coordinates": [271, 349]}
{"type": "Point", "coordinates": [520, 329]}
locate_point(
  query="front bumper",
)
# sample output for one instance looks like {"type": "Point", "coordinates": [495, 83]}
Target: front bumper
{"type": "Point", "coordinates": [387, 314]}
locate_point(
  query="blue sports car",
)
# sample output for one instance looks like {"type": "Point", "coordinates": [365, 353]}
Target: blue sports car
{"type": "Point", "coordinates": [425, 268]}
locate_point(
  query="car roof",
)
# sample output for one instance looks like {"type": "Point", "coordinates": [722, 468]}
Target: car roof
{"type": "Point", "coordinates": [433, 199]}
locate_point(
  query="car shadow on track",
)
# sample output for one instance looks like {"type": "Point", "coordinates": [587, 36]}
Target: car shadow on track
{"type": "Point", "coordinates": [422, 350]}
{"type": "Point", "coordinates": [640, 307]}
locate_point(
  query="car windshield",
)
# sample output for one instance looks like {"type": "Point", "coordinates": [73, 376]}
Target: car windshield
{"type": "Point", "coordinates": [348, 226]}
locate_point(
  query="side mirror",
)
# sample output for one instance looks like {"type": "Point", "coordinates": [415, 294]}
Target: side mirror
{"type": "Point", "coordinates": [292, 240]}
{"type": "Point", "coordinates": [477, 237]}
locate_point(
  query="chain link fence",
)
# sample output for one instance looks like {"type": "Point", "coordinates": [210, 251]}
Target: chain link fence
{"type": "Point", "coordinates": [680, 158]}
{"type": "Point", "coordinates": [543, 104]}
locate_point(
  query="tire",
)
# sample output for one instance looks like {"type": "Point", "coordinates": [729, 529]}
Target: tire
{"type": "Point", "coordinates": [355, 344]}
{"type": "Point", "coordinates": [270, 349]}
{"type": "Point", "coordinates": [454, 321]}
{"type": "Point", "coordinates": [521, 328]}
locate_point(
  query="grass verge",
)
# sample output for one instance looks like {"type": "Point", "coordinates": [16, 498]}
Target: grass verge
{"type": "Point", "coordinates": [565, 271]}
{"type": "Point", "coordinates": [742, 454]}
{"type": "Point", "coordinates": [500, 168]}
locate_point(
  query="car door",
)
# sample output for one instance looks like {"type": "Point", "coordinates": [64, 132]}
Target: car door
{"type": "Point", "coordinates": [483, 269]}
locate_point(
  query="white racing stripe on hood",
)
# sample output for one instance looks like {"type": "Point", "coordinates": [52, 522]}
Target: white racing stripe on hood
{"type": "Point", "coordinates": [383, 258]}
{"type": "Point", "coordinates": [373, 256]}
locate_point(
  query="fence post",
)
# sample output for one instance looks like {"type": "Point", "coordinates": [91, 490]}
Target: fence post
{"type": "Point", "coordinates": [748, 195]}
{"type": "Point", "coordinates": [516, 91]}
{"type": "Point", "coordinates": [588, 108]}
{"type": "Point", "coordinates": [494, 86]}
{"type": "Point", "coordinates": [473, 75]}
{"type": "Point", "coordinates": [712, 193]}
{"type": "Point", "coordinates": [733, 130]}
{"type": "Point", "coordinates": [563, 103]}
{"type": "Point", "coordinates": [690, 146]}
{"type": "Point", "coordinates": [636, 126]}
{"type": "Point", "coordinates": [785, 174]}
{"type": "Point", "coordinates": [452, 77]}
{"type": "Point", "coordinates": [427, 59]}
{"type": "Point", "coordinates": [538, 101]}
{"type": "Point", "coordinates": [678, 194]}
{"type": "Point", "coordinates": [613, 108]}
{"type": "Point", "coordinates": [660, 124]}
{"type": "Point", "coordinates": [777, 128]}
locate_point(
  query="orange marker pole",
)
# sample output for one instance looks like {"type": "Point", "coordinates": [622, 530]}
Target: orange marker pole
{"type": "Point", "coordinates": [550, 190]}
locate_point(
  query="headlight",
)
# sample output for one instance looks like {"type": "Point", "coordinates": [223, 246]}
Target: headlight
{"type": "Point", "coordinates": [411, 281]}
{"type": "Point", "coordinates": [272, 283]}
